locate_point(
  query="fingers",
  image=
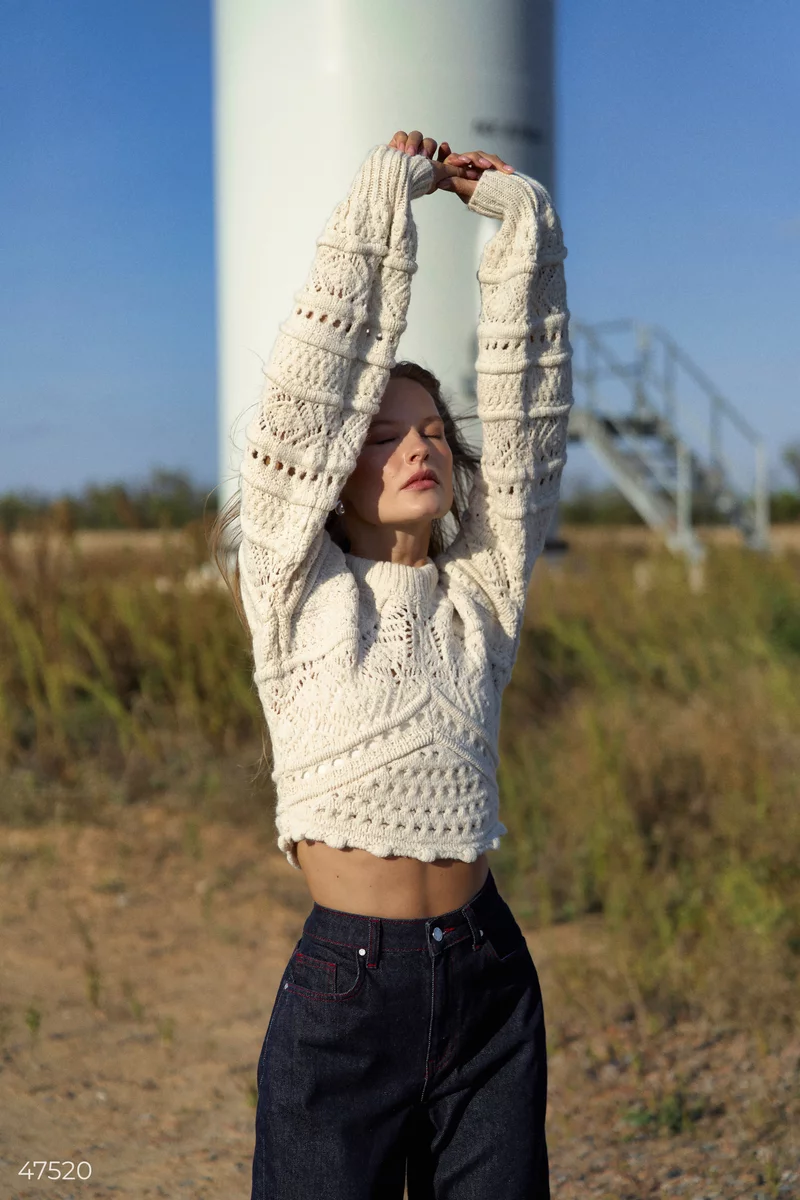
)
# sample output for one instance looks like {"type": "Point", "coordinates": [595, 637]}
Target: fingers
{"type": "Point", "coordinates": [413, 143]}
{"type": "Point", "coordinates": [466, 167]}
{"type": "Point", "coordinates": [443, 173]}
{"type": "Point", "coordinates": [500, 163]}
{"type": "Point", "coordinates": [485, 161]}
{"type": "Point", "coordinates": [461, 161]}
{"type": "Point", "coordinates": [456, 162]}
{"type": "Point", "coordinates": [469, 165]}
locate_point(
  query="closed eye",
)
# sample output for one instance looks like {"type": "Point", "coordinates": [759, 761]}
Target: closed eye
{"type": "Point", "coordinates": [438, 436]}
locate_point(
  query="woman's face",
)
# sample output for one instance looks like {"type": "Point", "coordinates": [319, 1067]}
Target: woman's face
{"type": "Point", "coordinates": [406, 436]}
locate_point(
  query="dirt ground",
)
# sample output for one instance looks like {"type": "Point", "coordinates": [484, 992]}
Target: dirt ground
{"type": "Point", "coordinates": [139, 964]}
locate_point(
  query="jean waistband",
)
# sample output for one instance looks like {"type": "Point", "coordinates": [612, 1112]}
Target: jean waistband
{"type": "Point", "coordinates": [376, 934]}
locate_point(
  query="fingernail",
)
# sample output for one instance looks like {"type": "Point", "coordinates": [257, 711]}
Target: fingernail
{"type": "Point", "coordinates": [507, 167]}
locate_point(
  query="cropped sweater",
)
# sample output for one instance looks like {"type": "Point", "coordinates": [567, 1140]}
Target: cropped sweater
{"type": "Point", "coordinates": [381, 683]}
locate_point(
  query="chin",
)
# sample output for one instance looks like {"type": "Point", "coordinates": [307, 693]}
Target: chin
{"type": "Point", "coordinates": [422, 510]}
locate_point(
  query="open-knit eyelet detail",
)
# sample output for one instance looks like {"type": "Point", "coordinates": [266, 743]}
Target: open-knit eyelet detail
{"type": "Point", "coordinates": [321, 683]}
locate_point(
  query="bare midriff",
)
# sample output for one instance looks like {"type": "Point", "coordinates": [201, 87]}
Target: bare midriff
{"type": "Point", "coordinates": [359, 882]}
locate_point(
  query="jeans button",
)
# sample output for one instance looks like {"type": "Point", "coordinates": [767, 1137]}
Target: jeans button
{"type": "Point", "coordinates": [437, 933]}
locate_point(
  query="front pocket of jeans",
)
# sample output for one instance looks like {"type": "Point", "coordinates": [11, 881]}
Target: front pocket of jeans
{"type": "Point", "coordinates": [505, 940]}
{"type": "Point", "coordinates": [326, 972]}
{"type": "Point", "coordinates": [517, 952]}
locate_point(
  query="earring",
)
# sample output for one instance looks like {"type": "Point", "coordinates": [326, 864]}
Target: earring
{"type": "Point", "coordinates": [339, 508]}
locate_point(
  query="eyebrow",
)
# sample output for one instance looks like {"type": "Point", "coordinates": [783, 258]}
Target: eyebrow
{"type": "Point", "coordinates": [399, 420]}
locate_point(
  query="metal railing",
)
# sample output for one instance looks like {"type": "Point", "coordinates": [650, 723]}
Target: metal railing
{"type": "Point", "coordinates": [660, 449]}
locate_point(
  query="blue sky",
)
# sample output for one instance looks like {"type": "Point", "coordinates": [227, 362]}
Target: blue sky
{"type": "Point", "coordinates": [678, 184]}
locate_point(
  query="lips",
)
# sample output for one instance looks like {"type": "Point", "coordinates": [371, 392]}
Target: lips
{"type": "Point", "coordinates": [418, 475]}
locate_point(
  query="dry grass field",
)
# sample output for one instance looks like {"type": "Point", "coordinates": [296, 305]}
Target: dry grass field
{"type": "Point", "coordinates": [650, 778]}
{"type": "Point", "coordinates": [152, 542]}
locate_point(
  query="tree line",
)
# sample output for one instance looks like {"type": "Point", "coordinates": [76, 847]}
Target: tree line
{"type": "Point", "coordinates": [171, 500]}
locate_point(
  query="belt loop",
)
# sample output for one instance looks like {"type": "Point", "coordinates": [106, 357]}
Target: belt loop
{"type": "Point", "coordinates": [477, 932]}
{"type": "Point", "coordinates": [373, 949]}
{"type": "Point", "coordinates": [433, 945]}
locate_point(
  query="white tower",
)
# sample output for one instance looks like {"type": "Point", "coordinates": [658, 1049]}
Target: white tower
{"type": "Point", "coordinates": [302, 92]}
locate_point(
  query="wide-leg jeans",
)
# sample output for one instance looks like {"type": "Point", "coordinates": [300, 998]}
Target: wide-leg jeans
{"type": "Point", "coordinates": [405, 1050]}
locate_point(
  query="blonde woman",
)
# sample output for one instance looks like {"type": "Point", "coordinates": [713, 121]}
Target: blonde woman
{"type": "Point", "coordinates": [407, 1033]}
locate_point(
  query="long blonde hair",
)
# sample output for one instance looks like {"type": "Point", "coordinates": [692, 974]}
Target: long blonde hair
{"type": "Point", "coordinates": [223, 547]}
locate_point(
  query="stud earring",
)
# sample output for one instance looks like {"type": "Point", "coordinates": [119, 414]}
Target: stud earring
{"type": "Point", "coordinates": [339, 508]}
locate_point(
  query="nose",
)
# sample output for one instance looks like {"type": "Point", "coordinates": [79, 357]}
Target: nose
{"type": "Point", "coordinates": [419, 447]}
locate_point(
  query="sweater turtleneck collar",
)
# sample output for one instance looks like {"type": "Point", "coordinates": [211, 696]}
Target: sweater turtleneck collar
{"type": "Point", "coordinates": [386, 579]}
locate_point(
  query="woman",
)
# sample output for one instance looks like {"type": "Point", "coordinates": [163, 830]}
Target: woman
{"type": "Point", "coordinates": [407, 1027]}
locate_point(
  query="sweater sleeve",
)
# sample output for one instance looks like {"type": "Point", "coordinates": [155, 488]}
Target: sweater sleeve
{"type": "Point", "coordinates": [524, 395]}
{"type": "Point", "coordinates": [324, 380]}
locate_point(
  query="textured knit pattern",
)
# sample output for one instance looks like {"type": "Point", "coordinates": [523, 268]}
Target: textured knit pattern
{"type": "Point", "coordinates": [381, 683]}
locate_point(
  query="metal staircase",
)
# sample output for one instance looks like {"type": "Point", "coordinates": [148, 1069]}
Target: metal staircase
{"type": "Point", "coordinates": [657, 425]}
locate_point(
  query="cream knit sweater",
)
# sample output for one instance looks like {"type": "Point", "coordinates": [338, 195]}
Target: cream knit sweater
{"type": "Point", "coordinates": [381, 683]}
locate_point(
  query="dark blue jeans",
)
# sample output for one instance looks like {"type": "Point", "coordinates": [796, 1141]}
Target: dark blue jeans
{"type": "Point", "coordinates": [405, 1044]}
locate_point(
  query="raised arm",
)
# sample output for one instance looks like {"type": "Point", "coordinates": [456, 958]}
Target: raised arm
{"type": "Point", "coordinates": [325, 378]}
{"type": "Point", "coordinates": [524, 395]}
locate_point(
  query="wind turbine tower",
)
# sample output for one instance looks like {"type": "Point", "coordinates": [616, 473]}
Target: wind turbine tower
{"type": "Point", "coordinates": [301, 93]}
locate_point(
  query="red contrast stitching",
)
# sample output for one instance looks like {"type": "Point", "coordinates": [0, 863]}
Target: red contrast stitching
{"type": "Point", "coordinates": [317, 962]}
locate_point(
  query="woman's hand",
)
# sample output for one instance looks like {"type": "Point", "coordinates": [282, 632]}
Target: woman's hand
{"type": "Point", "coordinates": [457, 173]}
{"type": "Point", "coordinates": [415, 143]}
{"type": "Point", "coordinates": [473, 163]}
